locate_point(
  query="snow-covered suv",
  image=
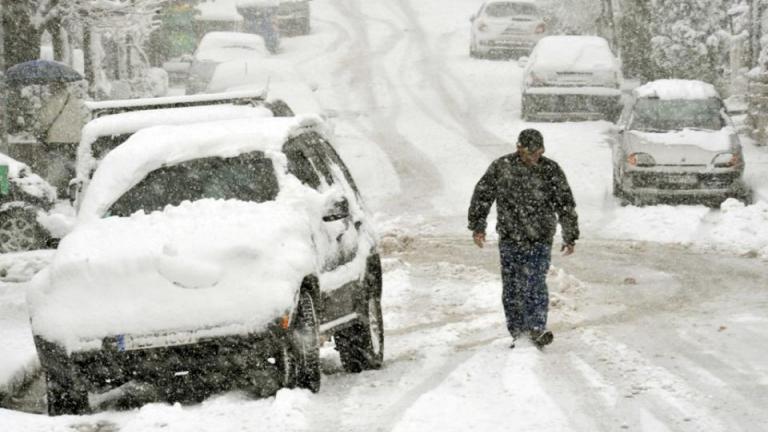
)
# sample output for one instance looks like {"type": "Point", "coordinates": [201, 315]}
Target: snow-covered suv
{"type": "Point", "coordinates": [676, 142]}
{"type": "Point", "coordinates": [208, 257]}
{"type": "Point", "coordinates": [571, 77]}
{"type": "Point", "coordinates": [506, 27]}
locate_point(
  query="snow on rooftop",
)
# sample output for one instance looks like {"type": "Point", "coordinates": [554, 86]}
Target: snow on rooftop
{"type": "Point", "coordinates": [130, 122]}
{"type": "Point", "coordinates": [573, 53]}
{"type": "Point", "coordinates": [151, 148]}
{"type": "Point", "coordinates": [677, 89]}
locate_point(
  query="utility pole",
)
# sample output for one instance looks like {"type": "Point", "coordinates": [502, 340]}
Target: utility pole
{"type": "Point", "coordinates": [3, 88]}
{"type": "Point", "coordinates": [755, 31]}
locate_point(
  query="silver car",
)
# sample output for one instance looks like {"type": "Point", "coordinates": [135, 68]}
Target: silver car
{"type": "Point", "coordinates": [676, 143]}
{"type": "Point", "coordinates": [506, 27]}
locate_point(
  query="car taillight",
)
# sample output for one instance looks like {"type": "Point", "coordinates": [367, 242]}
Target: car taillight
{"type": "Point", "coordinates": [482, 27]}
{"type": "Point", "coordinates": [641, 160]}
{"type": "Point", "coordinates": [727, 160]}
{"type": "Point", "coordinates": [541, 28]}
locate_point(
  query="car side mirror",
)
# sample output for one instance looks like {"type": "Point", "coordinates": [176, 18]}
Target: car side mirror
{"type": "Point", "coordinates": [339, 210]}
{"type": "Point", "coordinates": [522, 61]}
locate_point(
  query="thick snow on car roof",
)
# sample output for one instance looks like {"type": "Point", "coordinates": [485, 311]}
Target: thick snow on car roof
{"type": "Point", "coordinates": [130, 122]}
{"type": "Point", "coordinates": [152, 148]}
{"type": "Point", "coordinates": [573, 53]}
{"type": "Point", "coordinates": [221, 46]}
{"type": "Point", "coordinates": [677, 89]}
{"type": "Point", "coordinates": [218, 10]}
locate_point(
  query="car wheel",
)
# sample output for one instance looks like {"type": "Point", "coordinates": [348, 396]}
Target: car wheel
{"type": "Point", "coordinates": [279, 108]}
{"type": "Point", "coordinates": [361, 346]}
{"type": "Point", "coordinates": [64, 396]}
{"type": "Point", "coordinates": [20, 231]}
{"type": "Point", "coordinates": [306, 342]}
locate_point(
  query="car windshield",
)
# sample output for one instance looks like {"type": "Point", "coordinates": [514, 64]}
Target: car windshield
{"type": "Point", "coordinates": [500, 10]}
{"type": "Point", "coordinates": [249, 177]}
{"type": "Point", "coordinates": [657, 115]}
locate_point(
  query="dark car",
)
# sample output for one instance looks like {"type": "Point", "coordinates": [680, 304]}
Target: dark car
{"type": "Point", "coordinates": [210, 257]}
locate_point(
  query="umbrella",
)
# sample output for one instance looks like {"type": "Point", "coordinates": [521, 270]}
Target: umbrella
{"type": "Point", "coordinates": [40, 72]}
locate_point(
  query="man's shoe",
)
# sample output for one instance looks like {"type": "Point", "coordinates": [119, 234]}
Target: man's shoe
{"type": "Point", "coordinates": [541, 337]}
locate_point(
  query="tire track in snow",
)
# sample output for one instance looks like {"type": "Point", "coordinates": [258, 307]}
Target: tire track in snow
{"type": "Point", "coordinates": [360, 64]}
{"type": "Point", "coordinates": [434, 70]}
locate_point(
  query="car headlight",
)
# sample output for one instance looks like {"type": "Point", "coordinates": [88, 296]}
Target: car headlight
{"type": "Point", "coordinates": [641, 160]}
{"type": "Point", "coordinates": [727, 160]}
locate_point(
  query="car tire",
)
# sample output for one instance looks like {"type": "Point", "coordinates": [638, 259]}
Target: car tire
{"type": "Point", "coordinates": [279, 108]}
{"type": "Point", "coordinates": [306, 345]}
{"type": "Point", "coordinates": [361, 346]}
{"type": "Point", "coordinates": [20, 231]}
{"type": "Point", "coordinates": [63, 395]}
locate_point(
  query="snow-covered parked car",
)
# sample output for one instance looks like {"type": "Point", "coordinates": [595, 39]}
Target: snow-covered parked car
{"type": "Point", "coordinates": [208, 257]}
{"type": "Point", "coordinates": [506, 27]}
{"type": "Point", "coordinates": [24, 198]}
{"type": "Point", "coordinates": [275, 76]}
{"type": "Point", "coordinates": [571, 77]}
{"type": "Point", "coordinates": [676, 142]}
{"type": "Point", "coordinates": [220, 47]}
{"type": "Point", "coordinates": [293, 17]}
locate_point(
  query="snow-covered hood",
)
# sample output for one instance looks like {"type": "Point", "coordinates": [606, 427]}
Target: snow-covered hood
{"type": "Point", "coordinates": [684, 146]}
{"type": "Point", "coordinates": [199, 266]}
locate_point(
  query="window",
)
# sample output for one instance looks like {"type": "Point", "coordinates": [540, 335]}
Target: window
{"type": "Point", "coordinates": [248, 177]}
{"type": "Point", "coordinates": [501, 10]}
{"type": "Point", "coordinates": [661, 115]}
{"type": "Point", "coordinates": [299, 165]}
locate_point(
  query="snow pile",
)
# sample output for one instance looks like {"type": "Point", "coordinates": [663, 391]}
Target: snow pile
{"type": "Point", "coordinates": [21, 175]}
{"type": "Point", "coordinates": [209, 265]}
{"type": "Point", "coordinates": [130, 122]}
{"type": "Point", "coordinates": [735, 228]}
{"type": "Point", "coordinates": [21, 266]}
{"type": "Point", "coordinates": [154, 147]}
{"type": "Point", "coordinates": [19, 359]}
{"type": "Point", "coordinates": [573, 53]}
{"type": "Point", "coordinates": [677, 89]}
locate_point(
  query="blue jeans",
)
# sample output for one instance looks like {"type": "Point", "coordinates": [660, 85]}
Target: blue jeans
{"type": "Point", "coordinates": [524, 278]}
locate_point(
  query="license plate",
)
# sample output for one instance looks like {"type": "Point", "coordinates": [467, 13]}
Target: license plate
{"type": "Point", "coordinates": [130, 343]}
{"type": "Point", "coordinates": [681, 179]}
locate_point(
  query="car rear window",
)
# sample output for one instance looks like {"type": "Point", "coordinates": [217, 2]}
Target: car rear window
{"type": "Point", "coordinates": [249, 177]}
{"type": "Point", "coordinates": [661, 115]}
{"type": "Point", "coordinates": [500, 10]}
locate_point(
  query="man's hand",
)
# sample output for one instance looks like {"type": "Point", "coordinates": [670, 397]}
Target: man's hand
{"type": "Point", "coordinates": [568, 249]}
{"type": "Point", "coordinates": [479, 238]}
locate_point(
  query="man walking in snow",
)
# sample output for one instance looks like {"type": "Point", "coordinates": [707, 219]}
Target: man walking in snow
{"type": "Point", "coordinates": [531, 195]}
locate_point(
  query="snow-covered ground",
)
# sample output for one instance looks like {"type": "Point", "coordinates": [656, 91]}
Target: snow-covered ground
{"type": "Point", "coordinates": [659, 318]}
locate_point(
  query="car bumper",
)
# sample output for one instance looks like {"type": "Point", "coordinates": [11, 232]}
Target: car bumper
{"type": "Point", "coordinates": [177, 372]}
{"type": "Point", "coordinates": [506, 44]}
{"type": "Point", "coordinates": [661, 185]}
{"type": "Point", "coordinates": [563, 103]}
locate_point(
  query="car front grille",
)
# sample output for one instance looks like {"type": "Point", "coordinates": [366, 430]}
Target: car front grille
{"type": "Point", "coordinates": [682, 181]}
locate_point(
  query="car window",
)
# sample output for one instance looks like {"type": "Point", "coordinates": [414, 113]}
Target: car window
{"type": "Point", "coordinates": [336, 159]}
{"type": "Point", "coordinates": [314, 152]}
{"type": "Point", "coordinates": [105, 144]}
{"type": "Point", "coordinates": [660, 115]}
{"type": "Point", "coordinates": [299, 164]}
{"type": "Point", "coordinates": [508, 9]}
{"type": "Point", "coordinates": [248, 177]}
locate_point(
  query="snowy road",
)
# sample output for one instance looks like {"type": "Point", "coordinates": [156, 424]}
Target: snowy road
{"type": "Point", "coordinates": [660, 317]}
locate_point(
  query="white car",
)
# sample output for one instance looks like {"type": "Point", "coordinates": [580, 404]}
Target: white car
{"type": "Point", "coordinates": [506, 27]}
{"type": "Point", "coordinates": [210, 257]}
{"type": "Point", "coordinates": [571, 77]}
{"type": "Point", "coordinates": [676, 142]}
{"type": "Point", "coordinates": [276, 77]}
{"type": "Point", "coordinates": [219, 47]}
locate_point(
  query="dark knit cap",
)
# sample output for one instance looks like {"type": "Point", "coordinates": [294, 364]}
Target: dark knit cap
{"type": "Point", "coordinates": [531, 139]}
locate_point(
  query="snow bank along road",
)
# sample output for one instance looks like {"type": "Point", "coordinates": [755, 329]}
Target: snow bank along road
{"type": "Point", "coordinates": [659, 317]}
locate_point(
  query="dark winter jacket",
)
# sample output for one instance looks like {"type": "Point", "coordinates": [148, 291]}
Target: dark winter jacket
{"type": "Point", "coordinates": [529, 201]}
